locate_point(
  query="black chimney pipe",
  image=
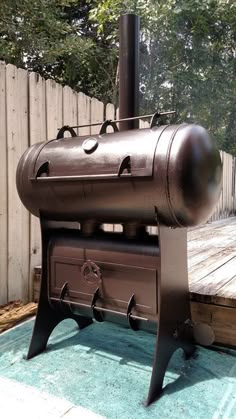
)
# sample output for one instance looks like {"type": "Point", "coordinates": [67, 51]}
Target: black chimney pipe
{"type": "Point", "coordinates": [129, 71]}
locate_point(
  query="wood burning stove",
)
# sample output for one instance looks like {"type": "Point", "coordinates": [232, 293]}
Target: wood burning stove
{"type": "Point", "coordinates": [167, 176]}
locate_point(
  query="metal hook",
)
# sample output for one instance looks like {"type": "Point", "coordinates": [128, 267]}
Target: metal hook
{"type": "Point", "coordinates": [96, 315]}
{"type": "Point", "coordinates": [62, 131]}
{"type": "Point", "coordinates": [131, 304]}
{"type": "Point", "coordinates": [154, 119]}
{"type": "Point", "coordinates": [108, 123]}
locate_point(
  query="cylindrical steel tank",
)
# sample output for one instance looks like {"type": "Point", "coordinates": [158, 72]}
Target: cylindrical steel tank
{"type": "Point", "coordinates": [170, 172]}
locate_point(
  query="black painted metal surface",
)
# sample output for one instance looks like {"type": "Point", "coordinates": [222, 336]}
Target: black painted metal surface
{"type": "Point", "coordinates": [129, 70]}
{"type": "Point", "coordinates": [124, 177]}
{"type": "Point", "coordinates": [169, 176]}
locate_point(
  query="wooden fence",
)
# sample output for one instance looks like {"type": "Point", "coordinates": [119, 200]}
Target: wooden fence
{"type": "Point", "coordinates": [31, 110]}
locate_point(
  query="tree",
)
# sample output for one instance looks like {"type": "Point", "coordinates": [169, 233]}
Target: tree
{"type": "Point", "coordinates": [187, 53]}
{"type": "Point", "coordinates": [187, 59]}
{"type": "Point", "coordinates": [57, 39]}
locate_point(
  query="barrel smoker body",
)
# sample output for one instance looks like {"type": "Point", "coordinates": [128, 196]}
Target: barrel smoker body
{"type": "Point", "coordinates": [166, 176]}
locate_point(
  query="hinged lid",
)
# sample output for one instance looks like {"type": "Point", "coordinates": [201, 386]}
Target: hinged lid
{"type": "Point", "coordinates": [120, 154]}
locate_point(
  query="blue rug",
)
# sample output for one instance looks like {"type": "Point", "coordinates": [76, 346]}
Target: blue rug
{"type": "Point", "coordinates": [106, 369]}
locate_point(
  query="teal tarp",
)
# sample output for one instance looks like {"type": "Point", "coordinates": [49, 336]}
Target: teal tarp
{"type": "Point", "coordinates": [106, 369]}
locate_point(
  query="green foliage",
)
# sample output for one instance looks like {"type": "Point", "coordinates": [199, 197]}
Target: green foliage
{"type": "Point", "coordinates": [57, 39]}
{"type": "Point", "coordinates": [188, 53]}
{"type": "Point", "coordinates": [188, 59]}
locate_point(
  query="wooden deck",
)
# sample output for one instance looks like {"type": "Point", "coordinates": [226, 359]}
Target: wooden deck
{"type": "Point", "coordinates": [212, 277]}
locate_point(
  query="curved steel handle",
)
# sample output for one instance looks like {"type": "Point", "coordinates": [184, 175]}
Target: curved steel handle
{"type": "Point", "coordinates": [125, 165]}
{"type": "Point", "coordinates": [108, 123]}
{"type": "Point", "coordinates": [62, 131]}
{"type": "Point", "coordinates": [43, 170]}
{"type": "Point", "coordinates": [154, 119]}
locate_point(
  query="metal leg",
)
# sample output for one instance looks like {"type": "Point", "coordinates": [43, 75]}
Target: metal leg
{"type": "Point", "coordinates": [47, 317]}
{"type": "Point", "coordinates": [174, 315]}
{"type": "Point", "coordinates": [161, 360]}
{"type": "Point", "coordinates": [165, 347]}
{"type": "Point", "coordinates": [46, 320]}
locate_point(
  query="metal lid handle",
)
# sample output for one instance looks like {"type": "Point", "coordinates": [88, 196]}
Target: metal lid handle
{"type": "Point", "coordinates": [108, 123]}
{"type": "Point", "coordinates": [62, 131]}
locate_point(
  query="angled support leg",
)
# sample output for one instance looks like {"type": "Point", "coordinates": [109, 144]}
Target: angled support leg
{"type": "Point", "coordinates": [46, 320]}
{"type": "Point", "coordinates": [173, 305]}
{"type": "Point", "coordinates": [48, 317]}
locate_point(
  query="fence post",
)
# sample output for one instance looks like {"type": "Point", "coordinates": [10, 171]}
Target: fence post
{"type": "Point", "coordinates": [3, 187]}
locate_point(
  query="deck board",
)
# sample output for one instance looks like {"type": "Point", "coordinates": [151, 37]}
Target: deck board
{"type": "Point", "coordinates": [212, 277]}
{"type": "Point", "coordinates": [212, 262]}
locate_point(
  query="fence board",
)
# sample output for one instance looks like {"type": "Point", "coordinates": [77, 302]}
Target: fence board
{"type": "Point", "coordinates": [18, 217]}
{"type": "Point", "coordinates": [37, 133]}
{"type": "Point", "coordinates": [110, 114]}
{"type": "Point", "coordinates": [230, 183]}
{"type": "Point", "coordinates": [234, 185]}
{"type": "Point", "coordinates": [226, 205]}
{"type": "Point", "coordinates": [70, 112]}
{"type": "Point", "coordinates": [3, 187]}
{"type": "Point", "coordinates": [226, 184]}
{"type": "Point", "coordinates": [221, 200]}
{"type": "Point", "coordinates": [118, 116]}
{"type": "Point", "coordinates": [53, 108]}
{"type": "Point", "coordinates": [97, 114]}
{"type": "Point", "coordinates": [84, 113]}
